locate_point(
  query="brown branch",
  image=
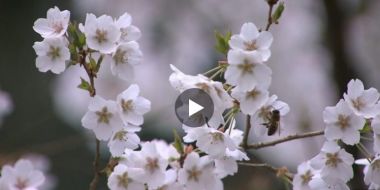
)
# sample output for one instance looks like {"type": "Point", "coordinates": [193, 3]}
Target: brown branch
{"type": "Point", "coordinates": [280, 172]}
{"type": "Point", "coordinates": [285, 139]}
{"type": "Point", "coordinates": [95, 180]}
{"type": "Point", "coordinates": [271, 4]}
{"type": "Point", "coordinates": [246, 132]}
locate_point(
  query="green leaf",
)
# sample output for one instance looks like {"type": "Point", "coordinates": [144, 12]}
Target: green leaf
{"type": "Point", "coordinates": [367, 127]}
{"type": "Point", "coordinates": [100, 60]}
{"type": "Point", "coordinates": [278, 12]}
{"type": "Point", "coordinates": [92, 64]}
{"type": "Point", "coordinates": [178, 142]}
{"type": "Point", "coordinates": [84, 85]}
{"type": "Point", "coordinates": [222, 45]}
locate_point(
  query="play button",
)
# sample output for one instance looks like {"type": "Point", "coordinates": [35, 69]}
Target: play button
{"type": "Point", "coordinates": [194, 107]}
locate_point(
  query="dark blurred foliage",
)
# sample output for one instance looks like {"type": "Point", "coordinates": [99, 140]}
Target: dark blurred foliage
{"type": "Point", "coordinates": [34, 126]}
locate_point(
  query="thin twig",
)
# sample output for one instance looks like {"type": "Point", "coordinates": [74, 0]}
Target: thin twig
{"type": "Point", "coordinates": [270, 167]}
{"type": "Point", "coordinates": [269, 22]}
{"type": "Point", "coordinates": [285, 139]}
{"type": "Point", "coordinates": [246, 132]}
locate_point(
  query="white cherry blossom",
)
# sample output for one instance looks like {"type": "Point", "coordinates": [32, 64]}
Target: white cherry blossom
{"type": "Point", "coordinates": [22, 175]}
{"type": "Point", "coordinates": [54, 25]}
{"type": "Point", "coordinates": [170, 182]}
{"type": "Point", "coordinates": [198, 173]}
{"type": "Point", "coordinates": [128, 31]}
{"type": "Point", "coordinates": [246, 70]}
{"type": "Point", "coordinates": [120, 179]}
{"type": "Point", "coordinates": [252, 100]}
{"type": "Point", "coordinates": [123, 60]}
{"type": "Point", "coordinates": [221, 99]}
{"type": "Point", "coordinates": [52, 54]}
{"type": "Point", "coordinates": [362, 102]}
{"type": "Point", "coordinates": [342, 123]}
{"type": "Point", "coordinates": [304, 175]}
{"type": "Point", "coordinates": [131, 106]}
{"type": "Point", "coordinates": [210, 140]}
{"type": "Point", "coordinates": [102, 118]}
{"type": "Point", "coordinates": [320, 183]}
{"type": "Point", "coordinates": [250, 39]}
{"type": "Point", "coordinates": [123, 139]}
{"type": "Point", "coordinates": [263, 115]}
{"type": "Point", "coordinates": [334, 162]}
{"type": "Point", "coordinates": [372, 173]}
{"type": "Point", "coordinates": [101, 33]}
{"type": "Point", "coordinates": [152, 161]}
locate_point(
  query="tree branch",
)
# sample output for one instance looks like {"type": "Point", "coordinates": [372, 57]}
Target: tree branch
{"type": "Point", "coordinates": [285, 139]}
{"type": "Point", "coordinates": [246, 132]}
{"type": "Point", "coordinates": [280, 172]}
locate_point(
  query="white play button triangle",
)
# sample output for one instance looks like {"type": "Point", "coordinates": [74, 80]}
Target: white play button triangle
{"type": "Point", "coordinates": [194, 108]}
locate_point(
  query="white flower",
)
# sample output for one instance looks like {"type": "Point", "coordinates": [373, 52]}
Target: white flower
{"type": "Point", "coordinates": [123, 60]}
{"type": "Point", "coordinates": [170, 181]}
{"type": "Point", "coordinates": [361, 101]}
{"type": "Point", "coordinates": [246, 70]}
{"type": "Point", "coordinates": [101, 33]}
{"type": "Point", "coordinates": [219, 96]}
{"type": "Point", "coordinates": [252, 100]}
{"type": "Point", "coordinates": [372, 175]}
{"type": "Point", "coordinates": [22, 176]}
{"type": "Point", "coordinates": [6, 105]}
{"type": "Point", "coordinates": [54, 25]}
{"type": "Point", "coordinates": [209, 140]}
{"type": "Point", "coordinates": [250, 39]}
{"type": "Point", "coordinates": [102, 118]}
{"type": "Point", "coordinates": [120, 179]}
{"type": "Point", "coordinates": [376, 134]}
{"type": "Point", "coordinates": [334, 162]}
{"type": "Point", "coordinates": [152, 161]}
{"type": "Point", "coordinates": [320, 183]}
{"type": "Point", "coordinates": [198, 173]}
{"type": "Point", "coordinates": [131, 106]}
{"type": "Point", "coordinates": [125, 138]}
{"type": "Point", "coordinates": [342, 123]}
{"type": "Point", "coordinates": [263, 115]}
{"type": "Point", "coordinates": [52, 54]}
{"type": "Point", "coordinates": [128, 31]}
{"type": "Point", "coordinates": [305, 174]}
{"type": "Point", "coordinates": [227, 164]}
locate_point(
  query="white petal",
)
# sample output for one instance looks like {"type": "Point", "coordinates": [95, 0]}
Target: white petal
{"type": "Point", "coordinates": [249, 31]}
{"type": "Point", "coordinates": [264, 40]}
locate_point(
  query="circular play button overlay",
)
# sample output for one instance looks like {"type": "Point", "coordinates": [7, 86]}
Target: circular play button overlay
{"type": "Point", "coordinates": [194, 107]}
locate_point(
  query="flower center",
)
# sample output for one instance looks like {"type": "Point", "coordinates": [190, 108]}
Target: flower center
{"type": "Point", "coordinates": [101, 35]}
{"type": "Point", "coordinates": [217, 137]}
{"type": "Point", "coordinates": [376, 165]}
{"type": "Point", "coordinates": [343, 121]}
{"type": "Point", "coordinates": [54, 52]}
{"type": "Point", "coordinates": [120, 57]}
{"type": "Point", "coordinates": [306, 177]}
{"type": "Point", "coordinates": [103, 115]}
{"type": "Point", "coordinates": [252, 94]}
{"type": "Point", "coordinates": [250, 46]}
{"type": "Point", "coordinates": [127, 105]}
{"type": "Point", "coordinates": [203, 86]}
{"type": "Point", "coordinates": [246, 67]}
{"type": "Point", "coordinates": [333, 159]}
{"type": "Point", "coordinates": [21, 184]}
{"type": "Point", "coordinates": [194, 174]}
{"type": "Point", "coordinates": [124, 33]}
{"type": "Point", "coordinates": [358, 103]}
{"type": "Point", "coordinates": [120, 135]}
{"type": "Point", "coordinates": [151, 164]}
{"type": "Point", "coordinates": [57, 26]}
{"type": "Point", "coordinates": [123, 180]}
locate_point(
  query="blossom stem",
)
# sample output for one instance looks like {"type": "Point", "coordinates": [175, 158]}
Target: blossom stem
{"type": "Point", "coordinates": [95, 180]}
{"type": "Point", "coordinates": [211, 70]}
{"type": "Point", "coordinates": [285, 139]}
{"type": "Point", "coordinates": [270, 22]}
{"type": "Point", "coordinates": [246, 132]}
{"type": "Point", "coordinates": [364, 150]}
{"type": "Point", "coordinates": [216, 74]}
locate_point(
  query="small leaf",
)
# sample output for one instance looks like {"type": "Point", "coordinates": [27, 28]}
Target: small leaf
{"type": "Point", "coordinates": [178, 142]}
{"type": "Point", "coordinates": [92, 64]}
{"type": "Point", "coordinates": [100, 60]}
{"type": "Point", "coordinates": [84, 85]}
{"type": "Point", "coordinates": [367, 127]}
{"type": "Point", "coordinates": [278, 12]}
{"type": "Point", "coordinates": [222, 45]}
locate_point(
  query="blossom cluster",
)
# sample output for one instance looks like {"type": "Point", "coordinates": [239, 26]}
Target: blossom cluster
{"type": "Point", "coordinates": [23, 175]}
{"type": "Point", "coordinates": [345, 122]}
